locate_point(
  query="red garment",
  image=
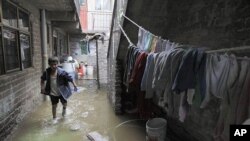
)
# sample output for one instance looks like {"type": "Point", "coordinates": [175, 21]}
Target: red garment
{"type": "Point", "coordinates": [80, 71]}
{"type": "Point", "coordinates": [143, 105]}
{"type": "Point", "coordinates": [138, 70]}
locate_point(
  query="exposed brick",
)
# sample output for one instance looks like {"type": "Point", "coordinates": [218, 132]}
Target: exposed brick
{"type": "Point", "coordinates": [23, 83]}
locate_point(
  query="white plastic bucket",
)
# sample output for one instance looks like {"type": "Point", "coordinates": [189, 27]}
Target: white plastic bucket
{"type": "Point", "coordinates": [156, 129]}
{"type": "Point", "coordinates": [90, 70]}
{"type": "Point", "coordinates": [68, 67]}
{"type": "Point", "coordinates": [84, 70]}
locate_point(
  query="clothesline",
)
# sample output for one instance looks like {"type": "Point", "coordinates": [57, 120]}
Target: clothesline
{"type": "Point", "coordinates": [131, 21]}
{"type": "Point", "coordinates": [230, 49]}
{"type": "Point", "coordinates": [136, 24]}
{"type": "Point", "coordinates": [124, 33]}
{"type": "Point", "coordinates": [210, 51]}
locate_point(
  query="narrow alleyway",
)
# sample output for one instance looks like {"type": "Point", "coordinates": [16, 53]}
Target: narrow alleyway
{"type": "Point", "coordinates": [87, 111]}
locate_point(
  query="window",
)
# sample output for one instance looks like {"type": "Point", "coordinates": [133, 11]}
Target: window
{"type": "Point", "coordinates": [9, 14]}
{"type": "Point", "coordinates": [103, 5]}
{"type": "Point", "coordinates": [59, 43]}
{"type": "Point", "coordinates": [25, 50]}
{"type": "Point", "coordinates": [15, 50]}
{"type": "Point", "coordinates": [23, 21]}
{"type": "Point", "coordinates": [82, 2]}
{"type": "Point", "coordinates": [10, 49]}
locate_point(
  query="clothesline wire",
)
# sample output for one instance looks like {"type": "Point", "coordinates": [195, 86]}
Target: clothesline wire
{"type": "Point", "coordinates": [229, 49]}
{"type": "Point", "coordinates": [243, 58]}
{"type": "Point", "coordinates": [124, 33]}
{"type": "Point", "coordinates": [137, 24]}
{"type": "Point", "coordinates": [209, 51]}
{"type": "Point", "coordinates": [131, 21]}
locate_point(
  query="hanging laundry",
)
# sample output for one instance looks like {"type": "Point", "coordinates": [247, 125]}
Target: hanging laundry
{"type": "Point", "coordinates": [221, 82]}
{"type": "Point", "coordinates": [170, 45]}
{"type": "Point", "coordinates": [158, 67]}
{"type": "Point", "coordinates": [158, 46]}
{"type": "Point", "coordinates": [138, 70]}
{"type": "Point", "coordinates": [243, 107]}
{"type": "Point", "coordinates": [172, 65]}
{"type": "Point", "coordinates": [188, 70]}
{"type": "Point", "coordinates": [184, 106]}
{"type": "Point", "coordinates": [146, 84]}
{"type": "Point", "coordinates": [140, 43]}
{"type": "Point", "coordinates": [217, 76]}
{"type": "Point", "coordinates": [148, 41]}
{"type": "Point", "coordinates": [135, 84]}
{"type": "Point", "coordinates": [153, 44]}
{"type": "Point", "coordinates": [228, 108]}
{"type": "Point", "coordinates": [131, 56]}
{"type": "Point", "coordinates": [167, 64]}
{"type": "Point", "coordinates": [165, 70]}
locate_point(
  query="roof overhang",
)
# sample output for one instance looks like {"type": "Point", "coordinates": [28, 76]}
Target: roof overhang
{"type": "Point", "coordinates": [63, 14]}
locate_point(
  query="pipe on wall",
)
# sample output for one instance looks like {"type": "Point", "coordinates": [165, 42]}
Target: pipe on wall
{"type": "Point", "coordinates": [44, 39]}
{"type": "Point", "coordinates": [44, 42]}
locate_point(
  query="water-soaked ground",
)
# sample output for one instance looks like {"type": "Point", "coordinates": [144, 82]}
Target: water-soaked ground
{"type": "Point", "coordinates": [87, 111]}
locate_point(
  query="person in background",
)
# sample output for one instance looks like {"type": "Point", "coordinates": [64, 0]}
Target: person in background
{"type": "Point", "coordinates": [74, 67]}
{"type": "Point", "coordinates": [57, 86]}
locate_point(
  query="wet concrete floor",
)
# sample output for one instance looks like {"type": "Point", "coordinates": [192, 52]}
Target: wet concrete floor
{"type": "Point", "coordinates": [87, 111]}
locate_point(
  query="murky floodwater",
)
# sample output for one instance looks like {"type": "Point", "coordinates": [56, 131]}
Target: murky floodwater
{"type": "Point", "coordinates": [87, 111]}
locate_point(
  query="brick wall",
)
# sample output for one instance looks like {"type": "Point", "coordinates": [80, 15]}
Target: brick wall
{"type": "Point", "coordinates": [20, 91]}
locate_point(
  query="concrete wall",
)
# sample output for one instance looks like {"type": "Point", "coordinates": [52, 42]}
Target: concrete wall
{"type": "Point", "coordinates": [201, 23]}
{"type": "Point", "coordinates": [84, 17]}
{"type": "Point", "coordinates": [212, 24]}
{"type": "Point", "coordinates": [20, 91]}
{"type": "Point", "coordinates": [115, 63]}
{"type": "Point", "coordinates": [90, 58]}
{"type": "Point", "coordinates": [102, 59]}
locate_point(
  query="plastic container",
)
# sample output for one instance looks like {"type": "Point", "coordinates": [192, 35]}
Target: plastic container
{"type": "Point", "coordinates": [90, 70]}
{"type": "Point", "coordinates": [156, 129]}
{"type": "Point", "coordinates": [68, 67]}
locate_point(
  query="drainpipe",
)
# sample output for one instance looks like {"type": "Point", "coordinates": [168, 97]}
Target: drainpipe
{"type": "Point", "coordinates": [68, 45]}
{"type": "Point", "coordinates": [44, 42]}
{"type": "Point", "coordinates": [97, 64]}
{"type": "Point", "coordinates": [96, 37]}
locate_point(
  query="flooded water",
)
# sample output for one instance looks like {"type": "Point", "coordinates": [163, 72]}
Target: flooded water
{"type": "Point", "coordinates": [87, 111]}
